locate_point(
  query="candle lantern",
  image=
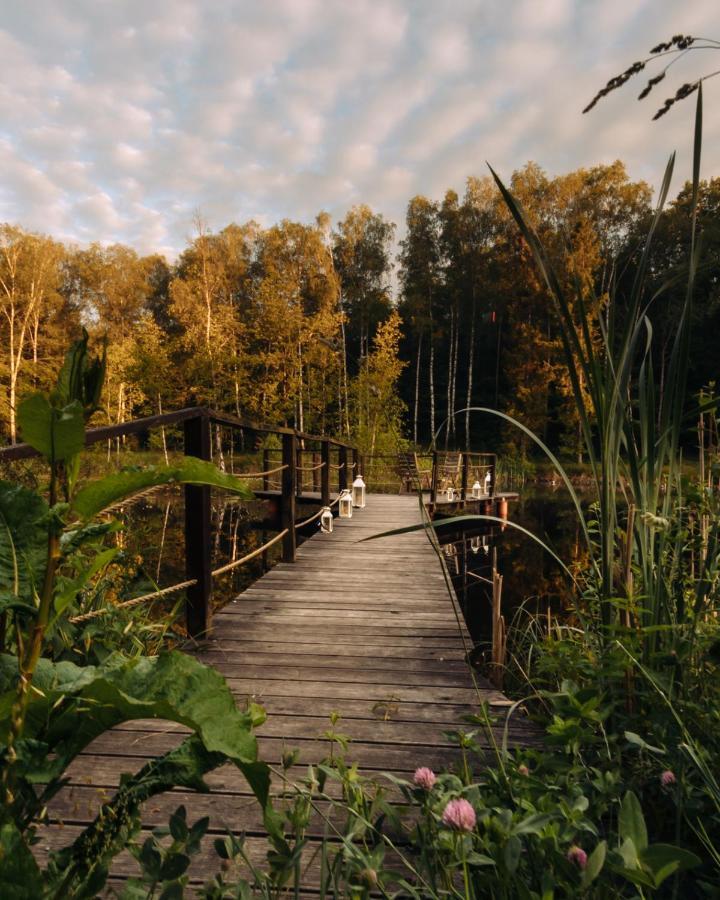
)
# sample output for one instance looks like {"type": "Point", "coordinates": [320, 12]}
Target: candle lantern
{"type": "Point", "coordinates": [476, 490]}
{"type": "Point", "coordinates": [358, 493]}
{"type": "Point", "coordinates": [345, 505]}
{"type": "Point", "coordinates": [326, 520]}
{"type": "Point", "coordinates": [488, 481]}
{"type": "Point", "coordinates": [475, 543]}
{"type": "Point", "coordinates": [450, 495]}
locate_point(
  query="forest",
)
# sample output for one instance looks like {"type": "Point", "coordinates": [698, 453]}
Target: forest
{"type": "Point", "coordinates": [346, 329]}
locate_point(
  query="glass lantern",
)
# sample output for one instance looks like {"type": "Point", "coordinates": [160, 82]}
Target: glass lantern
{"type": "Point", "coordinates": [326, 520]}
{"type": "Point", "coordinates": [488, 481]}
{"type": "Point", "coordinates": [450, 495]}
{"type": "Point", "coordinates": [476, 490]}
{"type": "Point", "coordinates": [345, 505]}
{"type": "Point", "coordinates": [475, 543]}
{"type": "Point", "coordinates": [358, 493]}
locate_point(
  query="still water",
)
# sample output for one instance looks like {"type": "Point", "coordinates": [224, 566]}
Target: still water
{"type": "Point", "coordinates": [532, 580]}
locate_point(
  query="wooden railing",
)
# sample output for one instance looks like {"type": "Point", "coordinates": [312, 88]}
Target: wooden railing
{"type": "Point", "coordinates": [197, 425]}
{"type": "Point", "coordinates": [460, 471]}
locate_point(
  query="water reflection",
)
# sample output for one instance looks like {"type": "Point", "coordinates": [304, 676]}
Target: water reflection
{"type": "Point", "coordinates": [531, 578]}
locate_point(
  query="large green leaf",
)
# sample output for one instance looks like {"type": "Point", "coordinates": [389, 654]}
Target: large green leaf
{"type": "Point", "coordinates": [57, 433]}
{"type": "Point", "coordinates": [71, 705]}
{"type": "Point", "coordinates": [105, 492]}
{"type": "Point", "coordinates": [20, 877]}
{"type": "Point", "coordinates": [631, 822]}
{"type": "Point", "coordinates": [23, 544]}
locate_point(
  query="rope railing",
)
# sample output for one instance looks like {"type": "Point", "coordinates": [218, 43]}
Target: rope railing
{"type": "Point", "coordinates": [239, 562]}
{"type": "Point", "coordinates": [136, 601]}
{"type": "Point", "coordinates": [260, 474]}
{"type": "Point", "coordinates": [163, 592]}
{"type": "Point", "coordinates": [310, 468]}
{"type": "Point", "coordinates": [317, 514]}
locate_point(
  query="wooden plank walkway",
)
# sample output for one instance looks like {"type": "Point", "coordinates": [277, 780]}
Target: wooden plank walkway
{"type": "Point", "coordinates": [364, 629]}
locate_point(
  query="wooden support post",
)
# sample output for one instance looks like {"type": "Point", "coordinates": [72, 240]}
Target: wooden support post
{"type": "Point", "coordinates": [288, 497]}
{"type": "Point", "coordinates": [197, 532]}
{"type": "Point", "coordinates": [493, 466]}
{"type": "Point", "coordinates": [266, 468]}
{"type": "Point", "coordinates": [434, 482]}
{"type": "Point", "coordinates": [316, 471]}
{"type": "Point", "coordinates": [464, 484]}
{"type": "Point", "coordinates": [325, 473]}
{"type": "Point", "coordinates": [343, 472]}
{"type": "Point", "coordinates": [299, 472]}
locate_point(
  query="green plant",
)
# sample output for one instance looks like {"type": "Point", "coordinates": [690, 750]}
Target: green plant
{"type": "Point", "coordinates": [50, 711]}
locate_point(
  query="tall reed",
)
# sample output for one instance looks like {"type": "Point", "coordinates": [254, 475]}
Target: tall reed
{"type": "Point", "coordinates": [633, 437]}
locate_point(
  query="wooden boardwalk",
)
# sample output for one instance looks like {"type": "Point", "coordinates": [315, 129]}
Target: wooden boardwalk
{"type": "Point", "coordinates": [364, 629]}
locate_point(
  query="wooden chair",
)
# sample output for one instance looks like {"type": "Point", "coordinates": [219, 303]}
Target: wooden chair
{"type": "Point", "coordinates": [411, 476]}
{"type": "Point", "coordinates": [449, 472]}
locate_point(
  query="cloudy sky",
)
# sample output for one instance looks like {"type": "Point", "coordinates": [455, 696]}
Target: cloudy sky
{"type": "Point", "coordinates": [119, 119]}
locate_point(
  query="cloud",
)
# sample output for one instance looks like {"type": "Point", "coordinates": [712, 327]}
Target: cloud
{"type": "Point", "coordinates": [119, 121]}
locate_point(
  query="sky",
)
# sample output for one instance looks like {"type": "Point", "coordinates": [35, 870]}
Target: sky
{"type": "Point", "coordinates": [122, 120]}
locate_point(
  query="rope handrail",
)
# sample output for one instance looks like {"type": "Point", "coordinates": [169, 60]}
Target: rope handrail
{"type": "Point", "coordinates": [128, 604]}
{"type": "Point", "coordinates": [136, 601]}
{"type": "Point", "coordinates": [316, 515]}
{"type": "Point", "coordinates": [309, 468]}
{"type": "Point", "coordinates": [260, 474]}
{"type": "Point", "coordinates": [334, 466]}
{"type": "Point", "coordinates": [251, 555]}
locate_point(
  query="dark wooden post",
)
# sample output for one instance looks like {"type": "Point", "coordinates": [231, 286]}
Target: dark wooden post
{"type": "Point", "coordinates": [325, 473]}
{"type": "Point", "coordinates": [343, 471]}
{"type": "Point", "coordinates": [197, 532]}
{"type": "Point", "coordinates": [289, 492]}
{"type": "Point", "coordinates": [265, 468]}
{"type": "Point", "coordinates": [492, 475]}
{"type": "Point", "coordinates": [434, 482]}
{"type": "Point", "coordinates": [299, 477]}
{"type": "Point", "coordinates": [464, 484]}
{"type": "Point", "coordinates": [316, 471]}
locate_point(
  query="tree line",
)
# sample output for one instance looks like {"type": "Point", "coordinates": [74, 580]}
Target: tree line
{"type": "Point", "coordinates": [298, 323]}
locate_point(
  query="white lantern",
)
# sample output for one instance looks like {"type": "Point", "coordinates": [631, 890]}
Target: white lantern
{"type": "Point", "coordinates": [476, 490]}
{"type": "Point", "coordinates": [345, 505]}
{"type": "Point", "coordinates": [475, 542]}
{"type": "Point", "coordinates": [488, 481]}
{"type": "Point", "coordinates": [358, 493]}
{"type": "Point", "coordinates": [450, 495]}
{"type": "Point", "coordinates": [326, 520]}
{"type": "Point", "coordinates": [485, 545]}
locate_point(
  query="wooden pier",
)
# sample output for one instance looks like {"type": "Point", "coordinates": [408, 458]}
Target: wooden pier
{"type": "Point", "coordinates": [365, 629]}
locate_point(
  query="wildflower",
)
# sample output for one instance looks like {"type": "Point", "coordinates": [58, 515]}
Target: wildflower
{"type": "Point", "coordinates": [459, 815]}
{"type": "Point", "coordinates": [667, 778]}
{"type": "Point", "coordinates": [425, 778]}
{"type": "Point", "coordinates": [523, 770]}
{"type": "Point", "coordinates": [578, 856]}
